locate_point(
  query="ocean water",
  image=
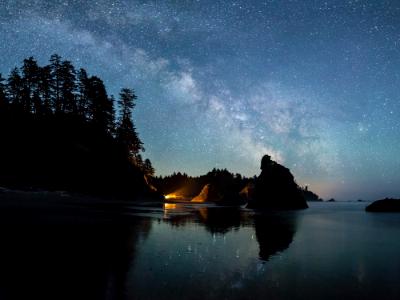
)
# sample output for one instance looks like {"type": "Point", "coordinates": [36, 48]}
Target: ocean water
{"type": "Point", "coordinates": [329, 251]}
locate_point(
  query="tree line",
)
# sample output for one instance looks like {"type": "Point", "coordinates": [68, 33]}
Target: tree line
{"type": "Point", "coordinates": [60, 129]}
{"type": "Point", "coordinates": [224, 184]}
{"type": "Point", "coordinates": [59, 90]}
{"type": "Point", "coordinates": [229, 187]}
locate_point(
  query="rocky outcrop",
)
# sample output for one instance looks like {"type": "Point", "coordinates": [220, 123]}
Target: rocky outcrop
{"type": "Point", "coordinates": [384, 205]}
{"type": "Point", "coordinates": [206, 195]}
{"type": "Point", "coordinates": [310, 196]}
{"type": "Point", "coordinates": [275, 188]}
{"type": "Point", "coordinates": [219, 194]}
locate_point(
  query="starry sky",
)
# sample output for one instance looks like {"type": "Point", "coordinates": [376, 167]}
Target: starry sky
{"type": "Point", "coordinates": [315, 84]}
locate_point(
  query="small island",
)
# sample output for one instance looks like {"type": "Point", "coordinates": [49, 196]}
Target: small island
{"type": "Point", "coordinates": [274, 189]}
{"type": "Point", "coordinates": [384, 205]}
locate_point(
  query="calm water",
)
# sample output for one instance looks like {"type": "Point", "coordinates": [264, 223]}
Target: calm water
{"type": "Point", "coordinates": [329, 251]}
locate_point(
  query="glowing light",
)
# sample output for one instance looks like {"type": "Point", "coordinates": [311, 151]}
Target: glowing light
{"type": "Point", "coordinates": [171, 196]}
{"type": "Point", "coordinates": [204, 194]}
{"type": "Point", "coordinates": [170, 206]}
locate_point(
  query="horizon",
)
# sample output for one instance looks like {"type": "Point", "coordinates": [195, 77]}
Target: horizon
{"type": "Point", "coordinates": [316, 86]}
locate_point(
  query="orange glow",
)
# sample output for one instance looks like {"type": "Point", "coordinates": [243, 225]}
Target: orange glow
{"type": "Point", "coordinates": [171, 196]}
{"type": "Point", "coordinates": [169, 205]}
{"type": "Point", "coordinates": [203, 196]}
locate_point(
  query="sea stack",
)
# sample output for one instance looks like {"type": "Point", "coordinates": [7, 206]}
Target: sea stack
{"type": "Point", "coordinates": [276, 189]}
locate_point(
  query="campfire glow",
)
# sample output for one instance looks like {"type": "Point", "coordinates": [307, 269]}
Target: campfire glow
{"type": "Point", "coordinates": [171, 196]}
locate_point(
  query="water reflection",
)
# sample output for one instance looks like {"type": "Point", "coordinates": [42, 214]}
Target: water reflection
{"type": "Point", "coordinates": [56, 256]}
{"type": "Point", "coordinates": [221, 220]}
{"type": "Point", "coordinates": [274, 231]}
{"type": "Point", "coordinates": [75, 253]}
{"type": "Point", "coordinates": [216, 220]}
{"type": "Point", "coordinates": [331, 251]}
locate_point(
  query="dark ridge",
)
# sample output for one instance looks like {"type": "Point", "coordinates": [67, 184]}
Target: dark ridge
{"type": "Point", "coordinates": [384, 205]}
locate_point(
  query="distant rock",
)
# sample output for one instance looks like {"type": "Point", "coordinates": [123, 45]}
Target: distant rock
{"type": "Point", "coordinates": [332, 200]}
{"type": "Point", "coordinates": [384, 205]}
{"type": "Point", "coordinates": [310, 196]}
{"type": "Point", "coordinates": [275, 188]}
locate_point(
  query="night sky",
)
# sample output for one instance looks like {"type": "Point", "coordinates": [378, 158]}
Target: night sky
{"type": "Point", "coordinates": [315, 84]}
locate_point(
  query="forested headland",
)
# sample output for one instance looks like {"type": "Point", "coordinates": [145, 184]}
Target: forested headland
{"type": "Point", "coordinates": [61, 130]}
{"type": "Point", "coordinates": [274, 188]}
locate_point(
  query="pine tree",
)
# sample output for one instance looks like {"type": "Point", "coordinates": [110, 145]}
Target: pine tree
{"type": "Point", "coordinates": [138, 161]}
{"type": "Point", "coordinates": [37, 103]}
{"type": "Point", "coordinates": [56, 83]}
{"type": "Point", "coordinates": [83, 90]}
{"type": "Point", "coordinates": [3, 96]}
{"type": "Point", "coordinates": [14, 89]}
{"type": "Point", "coordinates": [68, 87]}
{"type": "Point", "coordinates": [58, 126]}
{"type": "Point", "coordinates": [30, 83]}
{"type": "Point", "coordinates": [126, 131]}
{"type": "Point", "coordinates": [100, 107]}
{"type": "Point", "coordinates": [44, 88]}
{"type": "Point", "coordinates": [148, 167]}
{"type": "Point", "coordinates": [111, 115]}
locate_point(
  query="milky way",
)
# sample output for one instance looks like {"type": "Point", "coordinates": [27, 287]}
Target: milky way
{"type": "Point", "coordinates": [316, 84]}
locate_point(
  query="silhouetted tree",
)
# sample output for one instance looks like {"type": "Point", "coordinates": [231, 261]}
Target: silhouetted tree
{"type": "Point", "coordinates": [3, 96]}
{"type": "Point", "coordinates": [110, 107]}
{"type": "Point", "coordinates": [56, 82]}
{"type": "Point", "coordinates": [57, 128]}
{"type": "Point", "coordinates": [83, 93]}
{"type": "Point", "coordinates": [100, 107]}
{"type": "Point", "coordinates": [14, 89]}
{"type": "Point", "coordinates": [30, 84]}
{"type": "Point", "coordinates": [222, 186]}
{"type": "Point", "coordinates": [148, 167]}
{"type": "Point", "coordinates": [68, 86]}
{"type": "Point", "coordinates": [126, 131]}
{"type": "Point", "coordinates": [44, 89]}
{"type": "Point", "coordinates": [138, 161]}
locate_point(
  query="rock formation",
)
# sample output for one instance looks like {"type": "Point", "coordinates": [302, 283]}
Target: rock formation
{"type": "Point", "coordinates": [384, 205]}
{"type": "Point", "coordinates": [205, 195]}
{"type": "Point", "coordinates": [275, 188]}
